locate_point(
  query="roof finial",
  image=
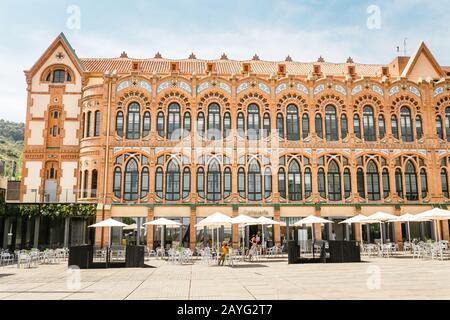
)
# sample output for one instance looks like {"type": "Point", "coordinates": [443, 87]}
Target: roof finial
{"type": "Point", "coordinates": [255, 57]}
{"type": "Point", "coordinates": [349, 60]}
{"type": "Point", "coordinates": [123, 55]}
{"type": "Point", "coordinates": [224, 57]}
{"type": "Point", "coordinates": [321, 59]}
{"type": "Point", "coordinates": [192, 56]}
{"type": "Point", "coordinates": [288, 58]}
{"type": "Point", "coordinates": [158, 55]}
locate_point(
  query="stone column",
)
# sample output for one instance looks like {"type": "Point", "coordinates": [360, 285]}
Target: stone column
{"type": "Point", "coordinates": [235, 229]}
{"type": "Point", "coordinates": [37, 221]}
{"type": "Point", "coordinates": [193, 231]}
{"type": "Point", "coordinates": [398, 230]}
{"type": "Point", "coordinates": [276, 228]}
{"type": "Point", "coordinates": [66, 232]}
{"type": "Point", "coordinates": [5, 233]}
{"type": "Point", "coordinates": [317, 227]}
{"type": "Point", "coordinates": [150, 217]}
{"type": "Point", "coordinates": [444, 230]}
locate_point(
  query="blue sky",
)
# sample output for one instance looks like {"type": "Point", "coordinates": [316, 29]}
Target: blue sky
{"type": "Point", "coordinates": [272, 29]}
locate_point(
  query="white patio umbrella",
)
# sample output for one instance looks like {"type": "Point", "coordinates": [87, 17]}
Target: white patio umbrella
{"type": "Point", "coordinates": [263, 221]}
{"type": "Point", "coordinates": [163, 222]}
{"type": "Point", "coordinates": [108, 223]}
{"type": "Point", "coordinates": [435, 214]}
{"type": "Point", "coordinates": [407, 217]}
{"type": "Point", "coordinates": [379, 217]}
{"type": "Point", "coordinates": [311, 221]}
{"type": "Point", "coordinates": [242, 220]}
{"type": "Point", "coordinates": [216, 220]}
{"type": "Point", "coordinates": [132, 226]}
{"type": "Point", "coordinates": [356, 219]}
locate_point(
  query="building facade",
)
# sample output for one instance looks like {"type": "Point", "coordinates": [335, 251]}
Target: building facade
{"type": "Point", "coordinates": [181, 139]}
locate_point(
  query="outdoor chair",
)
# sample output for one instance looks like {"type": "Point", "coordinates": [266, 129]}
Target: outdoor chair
{"type": "Point", "coordinates": [6, 258]}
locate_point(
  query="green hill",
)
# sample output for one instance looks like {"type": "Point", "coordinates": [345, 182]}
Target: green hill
{"type": "Point", "coordinates": [11, 144]}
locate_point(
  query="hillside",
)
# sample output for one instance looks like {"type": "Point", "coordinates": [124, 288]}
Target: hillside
{"type": "Point", "coordinates": [11, 144]}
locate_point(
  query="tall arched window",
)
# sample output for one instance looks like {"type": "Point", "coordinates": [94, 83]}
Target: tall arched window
{"type": "Point", "coordinates": [186, 182]}
{"type": "Point", "coordinates": [94, 184]}
{"type": "Point", "coordinates": [173, 121]}
{"type": "Point", "coordinates": [394, 126]}
{"type": "Point", "coordinates": [386, 183]}
{"type": "Point", "coordinates": [131, 183]}
{"type": "Point", "coordinates": [159, 185]}
{"type": "Point", "coordinates": [226, 124]}
{"type": "Point", "coordinates": [399, 183]}
{"type": "Point", "coordinates": [305, 125]}
{"type": "Point", "coordinates": [360, 183]}
{"type": "Point", "coordinates": [280, 125]}
{"type": "Point", "coordinates": [347, 183]}
{"type": "Point", "coordinates": [344, 126]}
{"type": "Point", "coordinates": [214, 122]}
{"type": "Point", "coordinates": [160, 124]}
{"type": "Point", "coordinates": [253, 122]}
{"type": "Point", "coordinates": [145, 182]}
{"type": "Point", "coordinates": [439, 130]}
{"type": "Point", "coordinates": [411, 182]}
{"type": "Point", "coordinates": [318, 123]}
{"type": "Point", "coordinates": [308, 182]}
{"type": "Point", "coordinates": [83, 124]}
{"type": "Point", "coordinates": [254, 181]}
{"type": "Point", "coordinates": [241, 182]}
{"type": "Point", "coordinates": [294, 181]}
{"type": "Point", "coordinates": [369, 124]}
{"type": "Point", "coordinates": [266, 125]}
{"type": "Point", "coordinates": [282, 183]}
{"type": "Point", "coordinates": [240, 124]}
{"type": "Point", "coordinates": [227, 183]}
{"type": "Point", "coordinates": [292, 128]}
{"type": "Point", "coordinates": [187, 123]}
{"type": "Point", "coordinates": [423, 183]}
{"type": "Point", "coordinates": [447, 123]}
{"type": "Point", "coordinates": [201, 183]}
{"type": "Point", "coordinates": [444, 183]}
{"type": "Point", "coordinates": [201, 124]}
{"type": "Point", "coordinates": [59, 76]}
{"type": "Point", "coordinates": [381, 126]}
{"type": "Point", "coordinates": [334, 182]}
{"type": "Point", "coordinates": [117, 183]}
{"type": "Point", "coordinates": [267, 183]}
{"type": "Point", "coordinates": [419, 129]}
{"type": "Point", "coordinates": [331, 124]}
{"type": "Point", "coordinates": [373, 181]}
{"type": "Point", "coordinates": [405, 123]}
{"type": "Point", "coordinates": [173, 181]}
{"type": "Point", "coordinates": [321, 183]}
{"type": "Point", "coordinates": [133, 121]}
{"type": "Point", "coordinates": [357, 126]}
{"type": "Point", "coordinates": [88, 125]}
{"type": "Point", "coordinates": [119, 124]}
{"type": "Point", "coordinates": [213, 185]}
{"type": "Point", "coordinates": [97, 123]}
{"type": "Point", "coordinates": [146, 124]}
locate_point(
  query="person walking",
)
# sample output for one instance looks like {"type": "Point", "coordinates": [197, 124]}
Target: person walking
{"type": "Point", "coordinates": [225, 252]}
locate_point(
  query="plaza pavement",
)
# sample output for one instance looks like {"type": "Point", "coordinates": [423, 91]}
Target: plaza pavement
{"type": "Point", "coordinates": [393, 278]}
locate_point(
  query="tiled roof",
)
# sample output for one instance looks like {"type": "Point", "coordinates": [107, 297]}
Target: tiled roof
{"type": "Point", "coordinates": [228, 67]}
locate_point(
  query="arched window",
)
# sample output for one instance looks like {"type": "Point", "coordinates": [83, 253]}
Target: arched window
{"type": "Point", "coordinates": [240, 124]}
{"type": "Point", "coordinates": [305, 125]}
{"type": "Point", "coordinates": [133, 121]}
{"type": "Point", "coordinates": [83, 124]}
{"type": "Point", "coordinates": [254, 181]}
{"type": "Point", "coordinates": [145, 182]}
{"type": "Point", "coordinates": [253, 122]}
{"type": "Point", "coordinates": [419, 129]}
{"type": "Point", "coordinates": [439, 130]}
{"type": "Point", "coordinates": [386, 183]}
{"type": "Point", "coordinates": [357, 126]}
{"type": "Point", "coordinates": [394, 126]}
{"type": "Point", "coordinates": [369, 124]}
{"type": "Point", "coordinates": [321, 183]}
{"type": "Point", "coordinates": [241, 182]}
{"type": "Point", "coordinates": [347, 183]}
{"type": "Point", "coordinates": [213, 185]}
{"type": "Point", "coordinates": [159, 185]}
{"type": "Point", "coordinates": [146, 124]}
{"type": "Point", "coordinates": [160, 124]}
{"type": "Point", "coordinates": [360, 183]}
{"type": "Point", "coordinates": [292, 127]}
{"type": "Point", "coordinates": [117, 184]}
{"type": "Point", "coordinates": [226, 124]}
{"type": "Point", "coordinates": [294, 181]}
{"type": "Point", "coordinates": [173, 181]}
{"type": "Point", "coordinates": [405, 123]}
{"type": "Point", "coordinates": [187, 123]}
{"type": "Point", "coordinates": [186, 182]}
{"type": "Point", "coordinates": [344, 126]}
{"type": "Point", "coordinates": [280, 125]}
{"type": "Point", "coordinates": [399, 183]}
{"type": "Point", "coordinates": [423, 183]}
{"type": "Point", "coordinates": [267, 183]}
{"type": "Point", "coordinates": [266, 125]}
{"type": "Point", "coordinates": [131, 182]}
{"type": "Point", "coordinates": [201, 183]}
{"type": "Point", "coordinates": [381, 126]}
{"type": "Point", "coordinates": [94, 184]}
{"type": "Point", "coordinates": [97, 124]}
{"type": "Point", "coordinates": [214, 122]}
{"type": "Point", "coordinates": [331, 124]}
{"type": "Point", "coordinates": [227, 183]}
{"type": "Point", "coordinates": [447, 123]}
{"type": "Point", "coordinates": [59, 76]}
{"type": "Point", "coordinates": [308, 183]}
{"type": "Point", "coordinates": [88, 125]}
{"type": "Point", "coordinates": [282, 183]}
{"type": "Point", "coordinates": [334, 182]}
{"type": "Point", "coordinates": [201, 124]}
{"type": "Point", "coordinates": [319, 129]}
{"type": "Point", "coordinates": [373, 181]}
{"type": "Point", "coordinates": [173, 121]}
{"type": "Point", "coordinates": [444, 183]}
{"type": "Point", "coordinates": [411, 182]}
